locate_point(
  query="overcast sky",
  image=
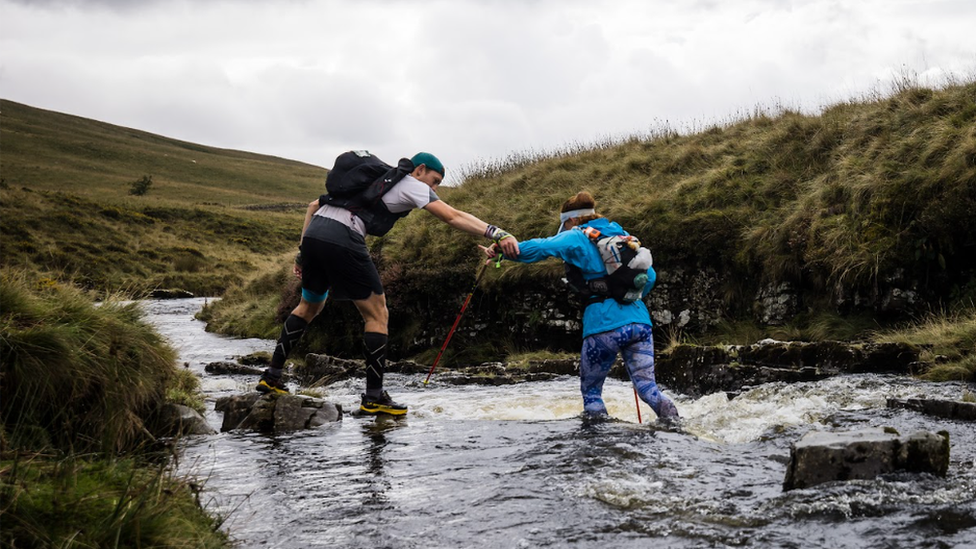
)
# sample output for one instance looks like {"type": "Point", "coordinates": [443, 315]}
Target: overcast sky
{"type": "Point", "coordinates": [466, 80]}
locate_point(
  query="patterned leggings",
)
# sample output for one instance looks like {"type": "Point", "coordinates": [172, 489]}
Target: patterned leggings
{"type": "Point", "coordinates": [636, 343]}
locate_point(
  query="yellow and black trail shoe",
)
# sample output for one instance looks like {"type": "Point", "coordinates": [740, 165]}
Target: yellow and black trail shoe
{"type": "Point", "coordinates": [269, 384]}
{"type": "Point", "coordinates": [382, 405]}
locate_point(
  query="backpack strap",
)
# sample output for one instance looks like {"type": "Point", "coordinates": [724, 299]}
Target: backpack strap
{"type": "Point", "coordinates": [590, 291]}
{"type": "Point", "coordinates": [585, 288]}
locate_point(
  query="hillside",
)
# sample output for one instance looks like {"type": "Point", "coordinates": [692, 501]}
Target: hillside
{"type": "Point", "coordinates": [210, 217]}
{"type": "Point", "coordinates": [783, 224]}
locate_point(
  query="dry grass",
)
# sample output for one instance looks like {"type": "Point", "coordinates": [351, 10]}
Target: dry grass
{"type": "Point", "coordinates": [948, 340]}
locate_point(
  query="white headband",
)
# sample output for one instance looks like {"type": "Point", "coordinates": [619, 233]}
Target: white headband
{"type": "Point", "coordinates": [565, 216]}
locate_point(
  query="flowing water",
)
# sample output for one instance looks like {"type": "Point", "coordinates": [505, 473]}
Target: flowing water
{"type": "Point", "coordinates": [516, 467]}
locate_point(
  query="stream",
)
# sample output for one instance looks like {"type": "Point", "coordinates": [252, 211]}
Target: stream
{"type": "Point", "coordinates": [517, 467]}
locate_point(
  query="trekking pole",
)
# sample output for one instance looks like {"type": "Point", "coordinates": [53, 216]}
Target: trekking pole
{"type": "Point", "coordinates": [456, 321]}
{"type": "Point", "coordinates": [637, 402]}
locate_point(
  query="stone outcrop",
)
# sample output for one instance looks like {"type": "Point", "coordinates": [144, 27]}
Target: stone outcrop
{"type": "Point", "coordinates": [224, 367]}
{"type": "Point", "coordinates": [275, 413]}
{"type": "Point", "coordinates": [689, 369]}
{"type": "Point", "coordinates": [496, 373]}
{"type": "Point", "coordinates": [321, 369]}
{"type": "Point", "coordinates": [697, 371]}
{"type": "Point", "coordinates": [821, 457]}
{"type": "Point", "coordinates": [260, 358]}
{"type": "Point", "coordinates": [179, 420]}
{"type": "Point", "coordinates": [948, 409]}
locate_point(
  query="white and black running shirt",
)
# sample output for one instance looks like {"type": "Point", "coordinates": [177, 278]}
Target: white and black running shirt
{"type": "Point", "coordinates": [407, 194]}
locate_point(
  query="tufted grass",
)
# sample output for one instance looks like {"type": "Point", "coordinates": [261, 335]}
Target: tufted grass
{"type": "Point", "coordinates": [947, 339]}
{"type": "Point", "coordinates": [79, 384]}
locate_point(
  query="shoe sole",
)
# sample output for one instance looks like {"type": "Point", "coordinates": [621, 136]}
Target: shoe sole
{"type": "Point", "coordinates": [382, 410]}
{"type": "Point", "coordinates": [267, 389]}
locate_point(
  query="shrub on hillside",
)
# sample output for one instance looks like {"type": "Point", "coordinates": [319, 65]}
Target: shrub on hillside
{"type": "Point", "coordinates": [141, 186]}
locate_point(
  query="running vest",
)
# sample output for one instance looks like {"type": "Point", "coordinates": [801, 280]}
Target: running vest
{"type": "Point", "coordinates": [357, 182]}
{"type": "Point", "coordinates": [626, 263]}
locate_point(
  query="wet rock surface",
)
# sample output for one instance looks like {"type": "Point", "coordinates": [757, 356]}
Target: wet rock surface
{"type": "Point", "coordinates": [275, 413]}
{"type": "Point", "coordinates": [821, 457]}
{"type": "Point", "coordinates": [322, 369]}
{"type": "Point", "coordinates": [948, 409]}
{"type": "Point", "coordinates": [224, 367]}
{"type": "Point", "coordinates": [177, 420]}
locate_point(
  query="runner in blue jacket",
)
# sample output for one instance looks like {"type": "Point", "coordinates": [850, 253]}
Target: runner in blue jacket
{"type": "Point", "coordinates": [609, 326]}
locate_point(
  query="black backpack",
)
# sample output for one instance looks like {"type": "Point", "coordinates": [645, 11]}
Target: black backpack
{"type": "Point", "coordinates": [357, 182]}
{"type": "Point", "coordinates": [626, 262]}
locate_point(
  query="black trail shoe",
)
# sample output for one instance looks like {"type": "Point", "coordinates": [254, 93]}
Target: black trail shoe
{"type": "Point", "coordinates": [382, 405]}
{"type": "Point", "coordinates": [269, 384]}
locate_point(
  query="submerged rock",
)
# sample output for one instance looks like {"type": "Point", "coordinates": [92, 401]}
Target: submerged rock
{"type": "Point", "coordinates": [949, 409]}
{"type": "Point", "coordinates": [275, 413]}
{"type": "Point", "coordinates": [821, 457]}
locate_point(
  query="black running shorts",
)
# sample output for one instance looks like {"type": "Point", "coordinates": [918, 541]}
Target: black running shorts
{"type": "Point", "coordinates": [336, 260]}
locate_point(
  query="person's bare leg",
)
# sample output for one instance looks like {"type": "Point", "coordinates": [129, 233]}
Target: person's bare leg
{"type": "Point", "coordinates": [376, 317]}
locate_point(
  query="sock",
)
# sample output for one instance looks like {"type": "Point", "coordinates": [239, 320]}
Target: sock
{"type": "Point", "coordinates": [374, 350]}
{"type": "Point", "coordinates": [291, 333]}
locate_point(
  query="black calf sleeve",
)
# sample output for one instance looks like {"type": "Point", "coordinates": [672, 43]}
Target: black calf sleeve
{"type": "Point", "coordinates": [374, 350]}
{"type": "Point", "coordinates": [291, 333]}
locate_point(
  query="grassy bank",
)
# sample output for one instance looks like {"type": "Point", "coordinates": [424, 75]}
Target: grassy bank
{"type": "Point", "coordinates": [948, 342]}
{"type": "Point", "coordinates": [80, 384]}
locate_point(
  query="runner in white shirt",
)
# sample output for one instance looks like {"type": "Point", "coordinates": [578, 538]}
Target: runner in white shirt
{"type": "Point", "coordinates": [335, 260]}
{"type": "Point", "coordinates": [406, 195]}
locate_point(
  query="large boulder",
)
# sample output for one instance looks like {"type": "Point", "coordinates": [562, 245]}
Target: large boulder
{"type": "Point", "coordinates": [273, 413]}
{"type": "Point", "coordinates": [821, 457]}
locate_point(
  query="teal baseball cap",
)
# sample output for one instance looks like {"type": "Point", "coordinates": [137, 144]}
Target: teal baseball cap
{"type": "Point", "coordinates": [428, 160]}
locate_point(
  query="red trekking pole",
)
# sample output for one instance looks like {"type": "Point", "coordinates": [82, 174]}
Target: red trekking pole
{"type": "Point", "coordinates": [456, 321]}
{"type": "Point", "coordinates": [637, 402]}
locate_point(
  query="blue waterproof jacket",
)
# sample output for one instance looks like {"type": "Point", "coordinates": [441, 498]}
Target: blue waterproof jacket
{"type": "Point", "coordinates": [575, 248]}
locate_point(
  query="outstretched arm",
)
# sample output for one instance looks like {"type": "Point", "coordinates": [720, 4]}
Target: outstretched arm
{"type": "Point", "coordinates": [463, 221]}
